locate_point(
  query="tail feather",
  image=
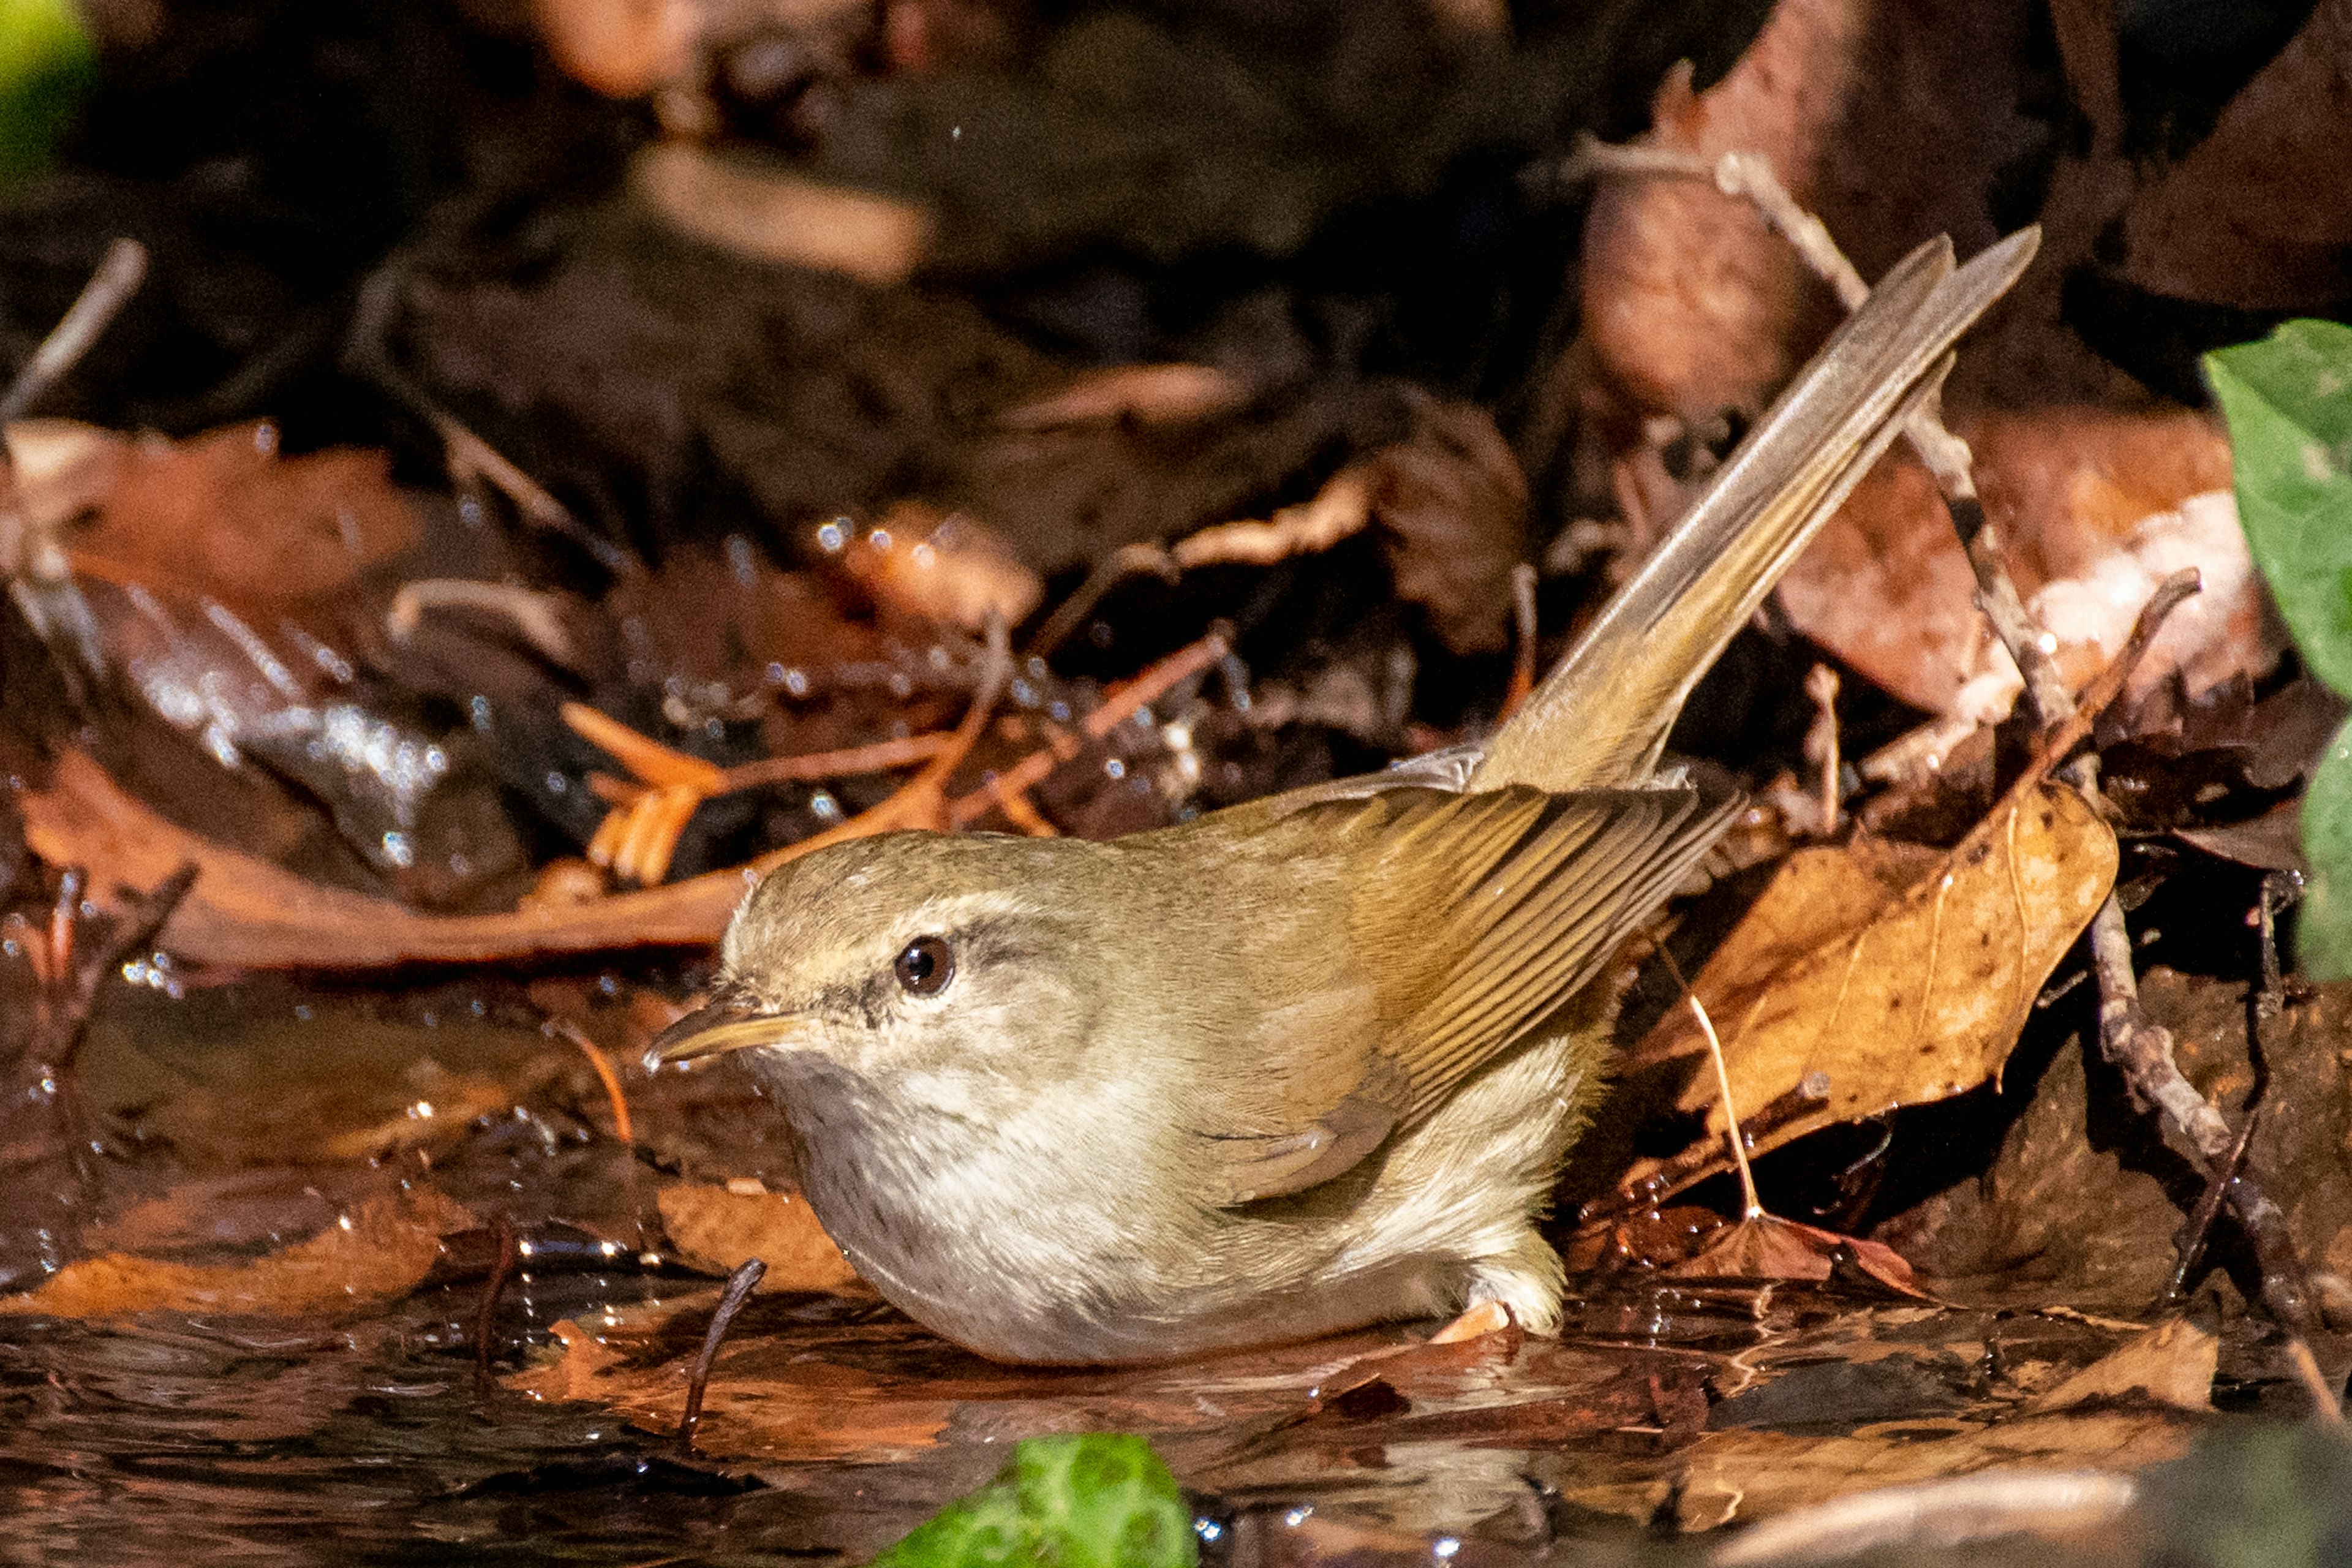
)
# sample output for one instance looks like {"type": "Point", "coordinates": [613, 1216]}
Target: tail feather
{"type": "Point", "coordinates": [1601, 718]}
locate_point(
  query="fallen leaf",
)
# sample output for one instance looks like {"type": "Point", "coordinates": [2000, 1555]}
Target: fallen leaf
{"type": "Point", "coordinates": [225, 516]}
{"type": "Point", "coordinates": [1745, 1474]}
{"type": "Point", "coordinates": [718, 1230]}
{"type": "Point", "coordinates": [381, 1249]}
{"type": "Point", "coordinates": [2093, 509]}
{"type": "Point", "coordinates": [1901, 975]}
{"type": "Point", "coordinates": [245, 911]}
{"type": "Point", "coordinates": [1455, 505]}
{"type": "Point", "coordinates": [1766, 1246]}
{"type": "Point", "coordinates": [2172, 1363]}
{"type": "Point", "coordinates": [2233, 222]}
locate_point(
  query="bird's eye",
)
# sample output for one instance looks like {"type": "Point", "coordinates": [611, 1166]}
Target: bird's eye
{"type": "Point", "coordinates": [926, 966]}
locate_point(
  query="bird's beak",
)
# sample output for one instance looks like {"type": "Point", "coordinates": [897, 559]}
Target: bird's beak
{"type": "Point", "coordinates": [729, 1024]}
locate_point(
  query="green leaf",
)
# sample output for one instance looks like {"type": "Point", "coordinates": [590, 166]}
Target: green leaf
{"type": "Point", "coordinates": [47, 64]}
{"type": "Point", "coordinates": [2324, 923]}
{"type": "Point", "coordinates": [1102, 1500]}
{"type": "Point", "coordinates": [2288, 400]}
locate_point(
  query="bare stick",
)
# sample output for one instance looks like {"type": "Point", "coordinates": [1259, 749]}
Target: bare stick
{"type": "Point", "coordinates": [2191, 1241]}
{"type": "Point", "coordinates": [740, 1285]}
{"type": "Point", "coordinates": [485, 1310]}
{"type": "Point", "coordinates": [1822, 740]}
{"type": "Point", "coordinates": [102, 298]}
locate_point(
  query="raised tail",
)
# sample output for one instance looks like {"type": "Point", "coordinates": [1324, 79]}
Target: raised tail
{"type": "Point", "coordinates": [1601, 717]}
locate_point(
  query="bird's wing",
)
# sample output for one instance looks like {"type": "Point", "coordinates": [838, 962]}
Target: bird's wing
{"type": "Point", "coordinates": [1469, 919]}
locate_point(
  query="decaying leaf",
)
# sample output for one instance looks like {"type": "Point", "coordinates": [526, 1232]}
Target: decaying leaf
{"type": "Point", "coordinates": [1742, 1475]}
{"type": "Point", "coordinates": [2093, 508]}
{"type": "Point", "coordinates": [720, 1228]}
{"type": "Point", "coordinates": [2171, 1363]}
{"type": "Point", "coordinates": [380, 1248]}
{"type": "Point", "coordinates": [1766, 1246]}
{"type": "Point", "coordinates": [225, 516]}
{"type": "Point", "coordinates": [247, 910]}
{"type": "Point", "coordinates": [1901, 974]}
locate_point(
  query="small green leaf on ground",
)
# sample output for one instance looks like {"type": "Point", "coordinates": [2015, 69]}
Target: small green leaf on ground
{"type": "Point", "coordinates": [1101, 1500]}
{"type": "Point", "coordinates": [2288, 400]}
{"type": "Point", "coordinates": [47, 63]}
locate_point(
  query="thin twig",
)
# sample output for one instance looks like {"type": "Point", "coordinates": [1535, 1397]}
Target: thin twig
{"type": "Point", "coordinates": [1127, 560]}
{"type": "Point", "coordinates": [485, 1310]}
{"type": "Point", "coordinates": [602, 1066]}
{"type": "Point", "coordinates": [1822, 740]}
{"type": "Point", "coordinates": [1673, 1175]}
{"type": "Point", "coordinates": [740, 1285]}
{"type": "Point", "coordinates": [102, 298]}
{"type": "Point", "coordinates": [2191, 1244]}
{"type": "Point", "coordinates": [1117, 706]}
{"type": "Point", "coordinates": [1523, 641]}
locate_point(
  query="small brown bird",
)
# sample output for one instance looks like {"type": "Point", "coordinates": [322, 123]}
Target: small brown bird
{"type": "Point", "coordinates": [1304, 1064]}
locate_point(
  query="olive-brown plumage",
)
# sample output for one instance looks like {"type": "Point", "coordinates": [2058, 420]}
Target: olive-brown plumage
{"type": "Point", "coordinates": [1307, 1063]}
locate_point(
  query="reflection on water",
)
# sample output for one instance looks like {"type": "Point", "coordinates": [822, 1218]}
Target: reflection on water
{"type": "Point", "coordinates": [188, 1441]}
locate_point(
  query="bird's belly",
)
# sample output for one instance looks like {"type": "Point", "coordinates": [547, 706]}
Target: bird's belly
{"type": "Point", "coordinates": [1006, 1267]}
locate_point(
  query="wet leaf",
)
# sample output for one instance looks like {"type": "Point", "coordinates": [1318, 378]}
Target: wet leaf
{"type": "Point", "coordinates": [720, 1228]}
{"type": "Point", "coordinates": [1098, 1500]}
{"type": "Point", "coordinates": [2171, 1363]}
{"type": "Point", "coordinates": [1901, 975]}
{"type": "Point", "coordinates": [380, 1248]}
{"type": "Point", "coordinates": [1767, 1246]}
{"type": "Point", "coordinates": [1747, 1474]}
{"type": "Point", "coordinates": [225, 515]}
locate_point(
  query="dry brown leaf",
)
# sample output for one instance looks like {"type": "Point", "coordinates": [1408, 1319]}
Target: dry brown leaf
{"type": "Point", "coordinates": [1745, 1474]}
{"type": "Point", "coordinates": [2093, 508]}
{"type": "Point", "coordinates": [774, 214]}
{"type": "Point", "coordinates": [1903, 976]}
{"type": "Point", "coordinates": [246, 910]}
{"type": "Point", "coordinates": [223, 515]}
{"type": "Point", "coordinates": [381, 1249]}
{"type": "Point", "coordinates": [2172, 1363]}
{"type": "Point", "coordinates": [718, 1229]}
{"type": "Point", "coordinates": [1889, 122]}
{"type": "Point", "coordinates": [1455, 506]}
{"type": "Point", "coordinates": [1766, 1246]}
{"type": "Point", "coordinates": [2240, 220]}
